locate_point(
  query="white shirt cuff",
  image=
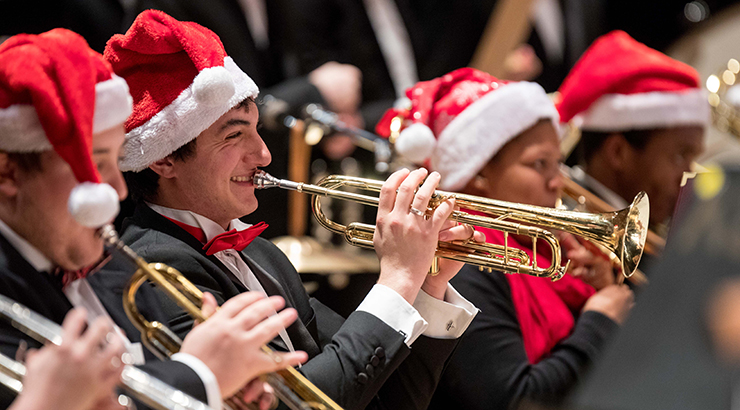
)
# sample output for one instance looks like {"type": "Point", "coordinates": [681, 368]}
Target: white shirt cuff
{"type": "Point", "coordinates": [447, 319]}
{"type": "Point", "coordinates": [390, 307]}
{"type": "Point", "coordinates": [213, 392]}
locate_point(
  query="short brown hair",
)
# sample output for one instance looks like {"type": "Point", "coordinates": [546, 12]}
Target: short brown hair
{"type": "Point", "coordinates": [143, 185]}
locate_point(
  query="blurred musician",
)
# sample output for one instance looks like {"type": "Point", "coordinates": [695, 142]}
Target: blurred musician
{"type": "Point", "coordinates": [193, 147]}
{"type": "Point", "coordinates": [642, 116]}
{"type": "Point", "coordinates": [533, 338]}
{"type": "Point", "coordinates": [61, 129]}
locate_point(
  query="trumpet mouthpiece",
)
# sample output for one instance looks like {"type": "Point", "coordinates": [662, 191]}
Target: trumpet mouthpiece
{"type": "Point", "coordinates": [263, 180]}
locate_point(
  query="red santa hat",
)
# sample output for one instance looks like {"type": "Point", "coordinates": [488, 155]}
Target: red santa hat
{"type": "Point", "coordinates": [459, 121]}
{"type": "Point", "coordinates": [619, 84]}
{"type": "Point", "coordinates": [55, 92]}
{"type": "Point", "coordinates": [181, 79]}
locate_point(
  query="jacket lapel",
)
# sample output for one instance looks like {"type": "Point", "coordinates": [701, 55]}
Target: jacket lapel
{"type": "Point", "coordinates": [299, 334]}
{"type": "Point", "coordinates": [153, 220]}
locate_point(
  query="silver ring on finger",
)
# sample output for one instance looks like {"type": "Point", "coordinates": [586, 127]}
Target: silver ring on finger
{"type": "Point", "coordinates": [416, 211]}
{"type": "Point", "coordinates": [470, 238]}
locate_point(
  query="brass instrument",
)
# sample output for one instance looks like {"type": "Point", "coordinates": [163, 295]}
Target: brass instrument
{"type": "Point", "coordinates": [290, 386]}
{"type": "Point", "coordinates": [725, 115]}
{"type": "Point", "coordinates": [621, 232]}
{"type": "Point", "coordinates": [11, 374]}
{"type": "Point", "coordinates": [654, 243]}
{"type": "Point", "coordinates": [134, 382]}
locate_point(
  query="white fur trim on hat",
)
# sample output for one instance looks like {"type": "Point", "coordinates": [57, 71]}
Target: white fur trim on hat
{"type": "Point", "coordinates": [21, 130]}
{"type": "Point", "coordinates": [659, 109]}
{"type": "Point", "coordinates": [93, 205]}
{"type": "Point", "coordinates": [416, 143]}
{"type": "Point", "coordinates": [112, 103]}
{"type": "Point", "coordinates": [475, 135]}
{"type": "Point", "coordinates": [180, 122]}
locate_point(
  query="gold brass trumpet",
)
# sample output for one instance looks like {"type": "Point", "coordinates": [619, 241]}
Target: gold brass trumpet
{"type": "Point", "coordinates": [134, 382]}
{"type": "Point", "coordinates": [290, 386]}
{"type": "Point", "coordinates": [622, 232]}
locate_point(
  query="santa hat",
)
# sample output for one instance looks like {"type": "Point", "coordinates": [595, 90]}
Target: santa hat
{"type": "Point", "coordinates": [55, 92]}
{"type": "Point", "coordinates": [181, 79]}
{"type": "Point", "coordinates": [459, 121]}
{"type": "Point", "coordinates": [620, 84]}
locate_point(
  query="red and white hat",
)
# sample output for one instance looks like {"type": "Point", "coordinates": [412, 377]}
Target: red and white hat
{"type": "Point", "coordinates": [55, 92]}
{"type": "Point", "coordinates": [620, 84]}
{"type": "Point", "coordinates": [181, 79]}
{"type": "Point", "coordinates": [459, 121]}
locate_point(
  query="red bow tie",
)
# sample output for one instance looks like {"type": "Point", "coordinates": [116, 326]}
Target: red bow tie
{"type": "Point", "coordinates": [69, 276]}
{"type": "Point", "coordinates": [237, 240]}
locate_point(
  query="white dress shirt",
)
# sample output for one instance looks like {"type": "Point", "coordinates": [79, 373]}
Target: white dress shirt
{"type": "Point", "coordinates": [255, 13]}
{"type": "Point", "coordinates": [80, 294]}
{"type": "Point", "coordinates": [444, 319]}
{"type": "Point", "coordinates": [395, 44]}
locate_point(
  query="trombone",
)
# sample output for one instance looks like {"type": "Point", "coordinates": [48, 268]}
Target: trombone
{"type": "Point", "coordinates": [622, 232]}
{"type": "Point", "coordinates": [134, 382]}
{"type": "Point", "coordinates": [290, 386]}
{"type": "Point", "coordinates": [11, 374]}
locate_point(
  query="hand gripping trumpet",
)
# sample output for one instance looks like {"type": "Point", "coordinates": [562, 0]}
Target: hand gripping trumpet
{"type": "Point", "coordinates": [622, 232]}
{"type": "Point", "coordinates": [290, 386]}
{"type": "Point", "coordinates": [134, 382]}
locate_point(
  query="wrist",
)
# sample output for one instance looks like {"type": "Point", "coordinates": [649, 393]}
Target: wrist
{"type": "Point", "coordinates": [435, 290]}
{"type": "Point", "coordinates": [402, 283]}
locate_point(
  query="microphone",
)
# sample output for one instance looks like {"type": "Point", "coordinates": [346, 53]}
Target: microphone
{"type": "Point", "coordinates": [362, 138]}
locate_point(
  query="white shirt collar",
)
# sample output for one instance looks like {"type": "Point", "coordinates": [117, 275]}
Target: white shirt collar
{"type": "Point", "coordinates": [209, 227]}
{"type": "Point", "coordinates": [32, 255]}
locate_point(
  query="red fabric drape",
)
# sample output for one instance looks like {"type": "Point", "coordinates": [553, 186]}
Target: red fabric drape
{"type": "Point", "coordinates": [543, 307]}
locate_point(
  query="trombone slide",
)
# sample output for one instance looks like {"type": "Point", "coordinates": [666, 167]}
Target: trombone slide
{"type": "Point", "coordinates": [134, 382]}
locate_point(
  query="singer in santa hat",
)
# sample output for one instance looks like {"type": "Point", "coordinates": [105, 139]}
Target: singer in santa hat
{"type": "Point", "coordinates": [192, 148]}
{"type": "Point", "coordinates": [642, 117]}
{"type": "Point", "coordinates": [533, 338]}
{"type": "Point", "coordinates": [61, 129]}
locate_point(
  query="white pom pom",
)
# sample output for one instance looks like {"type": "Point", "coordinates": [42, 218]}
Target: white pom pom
{"type": "Point", "coordinates": [213, 86]}
{"type": "Point", "coordinates": [416, 143]}
{"type": "Point", "coordinates": [93, 205]}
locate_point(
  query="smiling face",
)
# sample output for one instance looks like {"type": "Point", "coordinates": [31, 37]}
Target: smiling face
{"type": "Point", "coordinates": [526, 170]}
{"type": "Point", "coordinates": [216, 182]}
{"type": "Point", "coordinates": [34, 202]}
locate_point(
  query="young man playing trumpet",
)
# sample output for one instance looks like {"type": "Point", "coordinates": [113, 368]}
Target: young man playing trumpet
{"type": "Point", "coordinates": [533, 338]}
{"type": "Point", "coordinates": [642, 116]}
{"type": "Point", "coordinates": [61, 130]}
{"type": "Point", "coordinates": [193, 147]}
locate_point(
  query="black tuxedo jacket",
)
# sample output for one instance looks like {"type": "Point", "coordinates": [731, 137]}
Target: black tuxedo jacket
{"type": "Point", "coordinates": [42, 293]}
{"type": "Point", "coordinates": [360, 362]}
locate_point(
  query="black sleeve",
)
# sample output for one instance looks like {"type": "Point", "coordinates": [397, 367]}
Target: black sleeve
{"type": "Point", "coordinates": [491, 369]}
{"type": "Point", "coordinates": [367, 364]}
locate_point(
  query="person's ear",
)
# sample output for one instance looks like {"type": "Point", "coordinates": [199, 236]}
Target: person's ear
{"type": "Point", "coordinates": [8, 176]}
{"type": "Point", "coordinates": [477, 186]}
{"type": "Point", "coordinates": [165, 167]}
{"type": "Point", "coordinates": [617, 152]}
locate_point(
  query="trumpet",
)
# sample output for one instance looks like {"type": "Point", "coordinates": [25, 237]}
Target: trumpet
{"type": "Point", "coordinates": [622, 232]}
{"type": "Point", "coordinates": [290, 386]}
{"type": "Point", "coordinates": [134, 382]}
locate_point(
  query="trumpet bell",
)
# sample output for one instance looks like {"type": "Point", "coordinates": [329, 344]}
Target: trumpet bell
{"type": "Point", "coordinates": [633, 238]}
